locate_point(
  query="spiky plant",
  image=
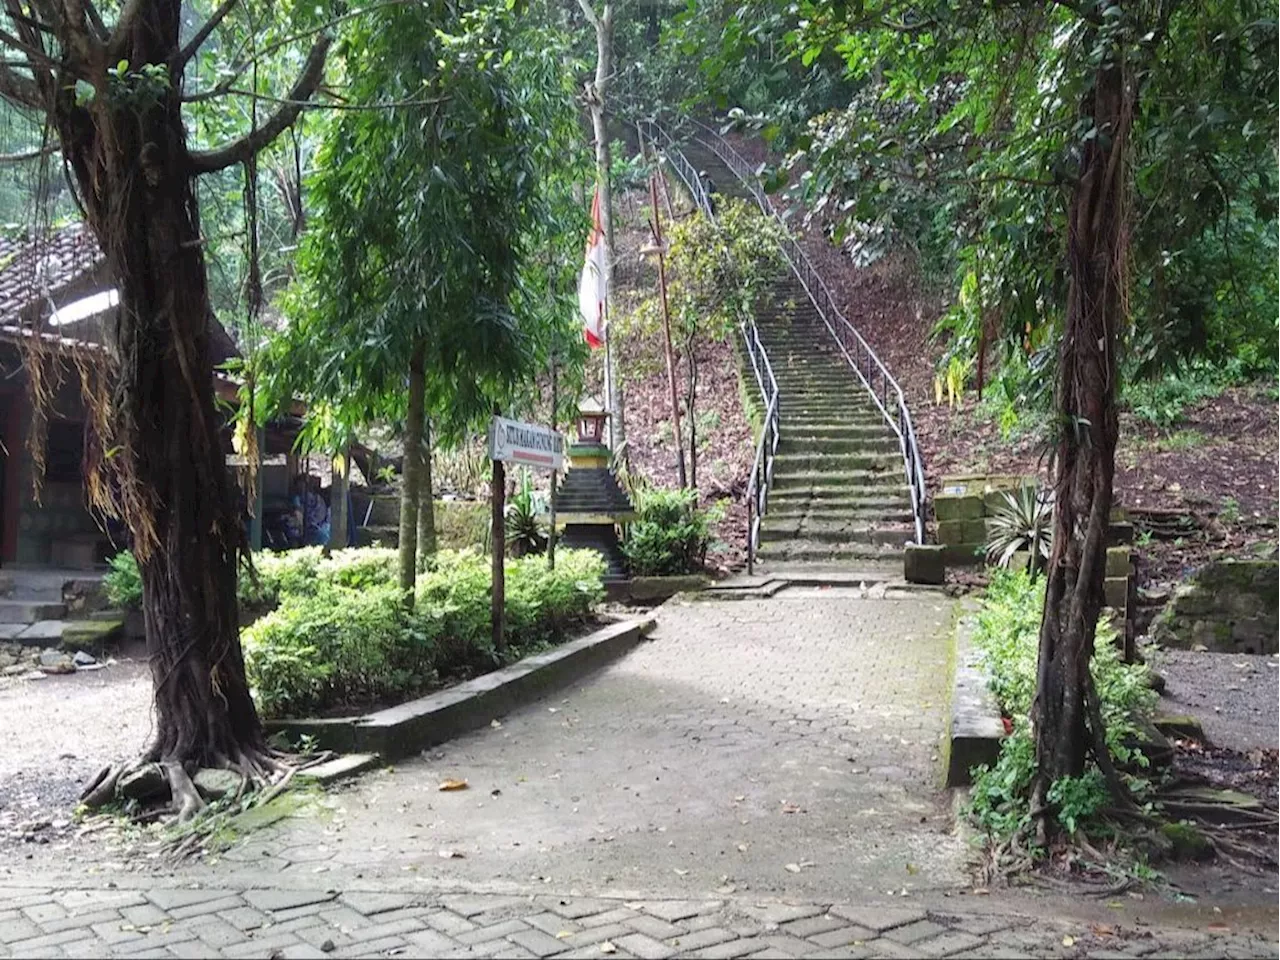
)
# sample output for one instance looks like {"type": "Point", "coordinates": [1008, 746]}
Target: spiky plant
{"type": "Point", "coordinates": [1023, 521]}
{"type": "Point", "coordinates": [523, 520]}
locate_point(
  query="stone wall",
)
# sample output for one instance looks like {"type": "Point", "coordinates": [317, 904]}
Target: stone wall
{"type": "Point", "coordinates": [962, 507]}
{"type": "Point", "coordinates": [1227, 606]}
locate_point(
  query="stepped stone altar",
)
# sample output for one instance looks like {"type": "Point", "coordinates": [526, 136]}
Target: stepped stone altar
{"type": "Point", "coordinates": [589, 502]}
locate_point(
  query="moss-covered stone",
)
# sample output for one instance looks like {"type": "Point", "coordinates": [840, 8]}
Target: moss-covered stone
{"type": "Point", "coordinates": [92, 636]}
{"type": "Point", "coordinates": [1228, 606]}
{"type": "Point", "coordinates": [1186, 842]}
{"type": "Point", "coordinates": [962, 531]}
{"type": "Point", "coordinates": [1181, 726]}
{"type": "Point", "coordinates": [924, 563]}
{"type": "Point", "coordinates": [1118, 561]}
{"type": "Point", "coordinates": [963, 554]}
{"type": "Point", "coordinates": [1116, 591]}
{"type": "Point", "coordinates": [955, 507]}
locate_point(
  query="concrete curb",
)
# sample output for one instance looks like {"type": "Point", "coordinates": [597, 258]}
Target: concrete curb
{"type": "Point", "coordinates": [408, 728]}
{"type": "Point", "coordinates": [974, 726]}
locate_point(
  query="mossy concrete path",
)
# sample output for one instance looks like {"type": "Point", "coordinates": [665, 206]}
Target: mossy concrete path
{"type": "Point", "coordinates": [760, 779]}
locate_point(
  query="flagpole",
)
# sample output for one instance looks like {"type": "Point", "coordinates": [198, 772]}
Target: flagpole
{"type": "Point", "coordinates": [608, 366]}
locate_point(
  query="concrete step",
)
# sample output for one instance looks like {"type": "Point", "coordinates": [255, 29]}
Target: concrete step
{"type": "Point", "coordinates": [850, 481]}
{"type": "Point", "coordinates": [807, 551]}
{"type": "Point", "coordinates": [869, 440]}
{"type": "Point", "coordinates": [838, 532]}
{"type": "Point", "coordinates": [821, 461]}
{"type": "Point", "coordinates": [866, 514]}
{"type": "Point", "coordinates": [838, 505]}
{"type": "Point", "coordinates": [794, 421]}
{"type": "Point", "coordinates": [30, 611]}
{"type": "Point", "coordinates": [838, 430]}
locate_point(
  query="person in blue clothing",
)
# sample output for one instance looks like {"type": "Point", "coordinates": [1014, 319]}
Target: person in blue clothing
{"type": "Point", "coordinates": [310, 520]}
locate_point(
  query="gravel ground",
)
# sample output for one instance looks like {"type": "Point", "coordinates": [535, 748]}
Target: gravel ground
{"type": "Point", "coordinates": [1234, 696]}
{"type": "Point", "coordinates": [59, 731]}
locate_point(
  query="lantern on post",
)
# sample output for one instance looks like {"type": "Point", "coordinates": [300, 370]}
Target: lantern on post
{"type": "Point", "coordinates": [591, 419]}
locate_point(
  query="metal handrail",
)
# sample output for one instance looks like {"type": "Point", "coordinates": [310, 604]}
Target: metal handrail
{"type": "Point", "coordinates": [767, 446]}
{"type": "Point", "coordinates": [888, 398]}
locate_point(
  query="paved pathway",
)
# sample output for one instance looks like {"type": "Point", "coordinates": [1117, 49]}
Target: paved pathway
{"type": "Point", "coordinates": [771, 747]}
{"type": "Point", "coordinates": [760, 779]}
{"type": "Point", "coordinates": [167, 921]}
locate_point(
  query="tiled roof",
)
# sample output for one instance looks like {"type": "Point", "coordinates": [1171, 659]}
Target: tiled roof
{"type": "Point", "coordinates": [33, 267]}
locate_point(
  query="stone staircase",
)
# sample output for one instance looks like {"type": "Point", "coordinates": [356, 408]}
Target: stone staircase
{"type": "Point", "coordinates": [839, 493]}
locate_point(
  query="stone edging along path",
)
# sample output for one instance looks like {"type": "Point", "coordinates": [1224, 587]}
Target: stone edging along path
{"type": "Point", "coordinates": [408, 728]}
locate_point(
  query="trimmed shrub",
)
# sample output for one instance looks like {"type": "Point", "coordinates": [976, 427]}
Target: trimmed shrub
{"type": "Point", "coordinates": [332, 647]}
{"type": "Point", "coordinates": [671, 535]}
{"type": "Point", "coordinates": [347, 639]}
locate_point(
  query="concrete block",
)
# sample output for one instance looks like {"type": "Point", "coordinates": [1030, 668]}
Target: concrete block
{"type": "Point", "coordinates": [1119, 533]}
{"type": "Point", "coordinates": [1116, 591]}
{"type": "Point", "coordinates": [962, 531]}
{"type": "Point", "coordinates": [964, 554]}
{"type": "Point", "coordinates": [924, 563]}
{"type": "Point", "coordinates": [951, 507]}
{"type": "Point", "coordinates": [1118, 562]}
{"type": "Point", "coordinates": [975, 728]}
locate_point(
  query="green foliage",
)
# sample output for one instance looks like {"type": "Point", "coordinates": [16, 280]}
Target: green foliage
{"type": "Point", "coordinates": [1165, 400]}
{"type": "Point", "coordinates": [961, 137]}
{"type": "Point", "coordinates": [523, 519]}
{"type": "Point", "coordinates": [462, 524]}
{"type": "Point", "coordinates": [721, 268]}
{"type": "Point", "coordinates": [671, 535]}
{"type": "Point", "coordinates": [1023, 520]}
{"type": "Point", "coordinates": [1007, 635]}
{"type": "Point", "coordinates": [341, 636]}
{"type": "Point", "coordinates": [123, 583]}
{"type": "Point", "coordinates": [445, 223]}
{"type": "Point", "coordinates": [332, 646]}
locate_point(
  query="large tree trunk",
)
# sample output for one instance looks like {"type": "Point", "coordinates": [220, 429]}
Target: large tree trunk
{"type": "Point", "coordinates": [1065, 711]}
{"type": "Point", "coordinates": [426, 502]}
{"type": "Point", "coordinates": [132, 168]}
{"type": "Point", "coordinates": [412, 471]}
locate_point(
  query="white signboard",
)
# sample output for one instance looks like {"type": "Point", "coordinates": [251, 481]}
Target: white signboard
{"type": "Point", "coordinates": [527, 443]}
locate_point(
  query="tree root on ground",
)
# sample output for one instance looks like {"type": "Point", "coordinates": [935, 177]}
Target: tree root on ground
{"type": "Point", "coordinates": [264, 775]}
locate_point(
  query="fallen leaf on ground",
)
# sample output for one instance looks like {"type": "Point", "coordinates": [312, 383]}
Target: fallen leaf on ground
{"type": "Point", "coordinates": [453, 785]}
{"type": "Point", "coordinates": [792, 808]}
{"type": "Point", "coordinates": [1103, 930]}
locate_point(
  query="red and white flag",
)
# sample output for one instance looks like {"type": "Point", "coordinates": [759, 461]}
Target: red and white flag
{"type": "Point", "coordinates": [593, 288]}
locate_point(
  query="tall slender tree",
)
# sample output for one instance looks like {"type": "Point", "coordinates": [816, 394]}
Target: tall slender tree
{"type": "Point", "coordinates": [411, 301]}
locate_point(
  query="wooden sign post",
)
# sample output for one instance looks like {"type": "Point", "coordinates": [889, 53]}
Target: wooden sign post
{"type": "Point", "coordinates": [511, 441]}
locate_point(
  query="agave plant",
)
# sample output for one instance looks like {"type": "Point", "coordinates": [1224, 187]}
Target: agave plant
{"type": "Point", "coordinates": [1023, 521]}
{"type": "Point", "coordinates": [523, 520]}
